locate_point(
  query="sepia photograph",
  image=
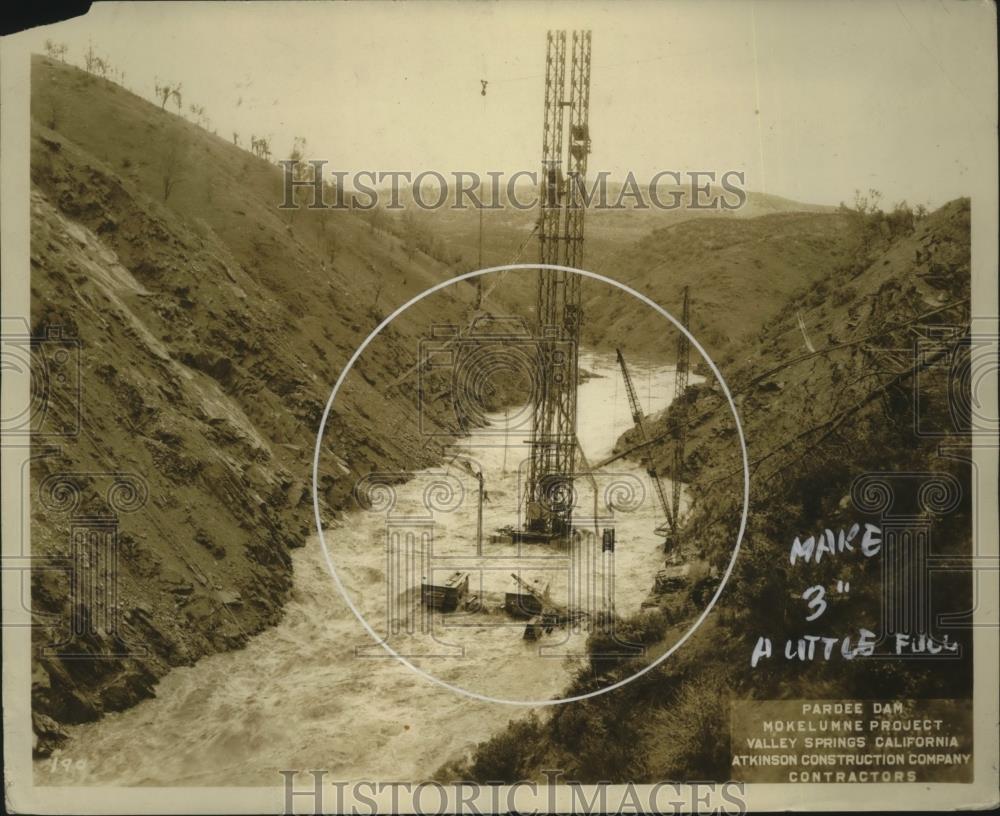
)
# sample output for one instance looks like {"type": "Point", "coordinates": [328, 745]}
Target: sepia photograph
{"type": "Point", "coordinates": [437, 407]}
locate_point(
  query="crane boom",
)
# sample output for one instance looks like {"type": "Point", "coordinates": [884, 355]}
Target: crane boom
{"type": "Point", "coordinates": [637, 417]}
{"type": "Point", "coordinates": [528, 588]}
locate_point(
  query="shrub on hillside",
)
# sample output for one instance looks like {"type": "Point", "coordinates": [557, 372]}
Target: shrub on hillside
{"type": "Point", "coordinates": [689, 737]}
{"type": "Point", "coordinates": [616, 640]}
{"type": "Point", "coordinates": [506, 756]}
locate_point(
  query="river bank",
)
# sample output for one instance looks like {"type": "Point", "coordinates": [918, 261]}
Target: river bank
{"type": "Point", "coordinates": [316, 691]}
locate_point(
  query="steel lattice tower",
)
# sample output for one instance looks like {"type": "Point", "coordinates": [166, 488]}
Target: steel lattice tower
{"type": "Point", "coordinates": [564, 170]}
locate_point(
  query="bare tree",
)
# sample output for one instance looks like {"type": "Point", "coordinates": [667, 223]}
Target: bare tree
{"type": "Point", "coordinates": [298, 153]}
{"type": "Point", "coordinates": [92, 61]}
{"type": "Point", "coordinates": [162, 93]}
{"type": "Point", "coordinates": [261, 147]}
{"type": "Point", "coordinates": [166, 92]}
{"type": "Point", "coordinates": [200, 117]}
{"type": "Point", "coordinates": [864, 217]}
{"type": "Point", "coordinates": [56, 50]}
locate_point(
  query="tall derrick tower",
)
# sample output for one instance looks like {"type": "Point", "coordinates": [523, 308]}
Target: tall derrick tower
{"type": "Point", "coordinates": [565, 150]}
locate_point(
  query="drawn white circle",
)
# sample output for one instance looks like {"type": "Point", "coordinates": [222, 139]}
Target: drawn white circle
{"type": "Point", "coordinates": [739, 434]}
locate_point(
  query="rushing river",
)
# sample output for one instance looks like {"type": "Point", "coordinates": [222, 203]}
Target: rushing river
{"type": "Point", "coordinates": [316, 691]}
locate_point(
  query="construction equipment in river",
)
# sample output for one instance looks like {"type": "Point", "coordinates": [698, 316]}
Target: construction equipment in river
{"type": "Point", "coordinates": [531, 599]}
{"type": "Point", "coordinates": [670, 529]}
{"type": "Point", "coordinates": [637, 418]}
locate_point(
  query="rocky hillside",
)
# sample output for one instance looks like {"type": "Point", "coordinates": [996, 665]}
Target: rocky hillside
{"type": "Point", "coordinates": [209, 327]}
{"type": "Point", "coordinates": [862, 372]}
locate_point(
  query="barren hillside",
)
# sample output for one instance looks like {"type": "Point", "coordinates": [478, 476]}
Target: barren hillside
{"type": "Point", "coordinates": [209, 328]}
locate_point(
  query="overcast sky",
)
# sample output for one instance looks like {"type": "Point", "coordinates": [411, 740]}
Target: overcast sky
{"type": "Point", "coordinates": [810, 99]}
